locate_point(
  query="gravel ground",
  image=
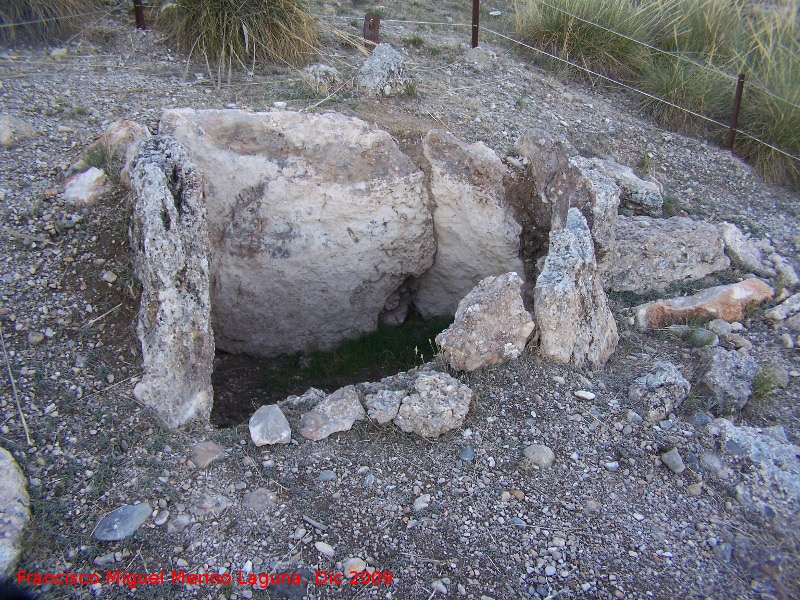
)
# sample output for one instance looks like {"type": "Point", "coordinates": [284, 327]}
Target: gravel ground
{"type": "Point", "coordinates": [606, 520]}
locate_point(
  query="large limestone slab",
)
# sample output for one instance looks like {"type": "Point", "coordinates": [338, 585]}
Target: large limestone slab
{"type": "Point", "coordinates": [726, 302]}
{"type": "Point", "coordinates": [575, 322]}
{"type": "Point", "coordinates": [477, 235]}
{"type": "Point", "coordinates": [491, 325]}
{"type": "Point", "coordinates": [314, 222]}
{"type": "Point", "coordinates": [15, 511]}
{"type": "Point", "coordinates": [650, 254]}
{"type": "Point", "coordinates": [170, 244]}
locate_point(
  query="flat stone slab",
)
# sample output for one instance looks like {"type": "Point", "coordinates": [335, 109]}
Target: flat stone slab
{"type": "Point", "coordinates": [122, 522]}
{"type": "Point", "coordinates": [726, 302]}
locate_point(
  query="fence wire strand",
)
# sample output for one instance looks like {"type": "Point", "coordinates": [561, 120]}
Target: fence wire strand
{"type": "Point", "coordinates": [643, 93]}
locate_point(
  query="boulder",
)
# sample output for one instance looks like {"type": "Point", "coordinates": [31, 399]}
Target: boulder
{"type": "Point", "coordinates": [491, 325]}
{"type": "Point", "coordinates": [784, 310]}
{"type": "Point", "coordinates": [315, 221]}
{"type": "Point", "coordinates": [15, 511]}
{"type": "Point", "coordinates": [322, 79]}
{"type": "Point", "coordinates": [597, 197]}
{"type": "Point", "coordinates": [85, 189]}
{"type": "Point", "coordinates": [334, 413]}
{"type": "Point", "coordinates": [269, 426]}
{"type": "Point", "coordinates": [383, 73]}
{"type": "Point", "coordinates": [651, 254]}
{"type": "Point", "coordinates": [476, 232]}
{"type": "Point", "coordinates": [437, 404]}
{"type": "Point", "coordinates": [786, 273]}
{"type": "Point", "coordinates": [772, 487]}
{"type": "Point", "coordinates": [382, 406]}
{"type": "Point", "coordinates": [14, 130]}
{"type": "Point", "coordinates": [661, 391]}
{"type": "Point", "coordinates": [120, 139]}
{"type": "Point", "coordinates": [639, 195]}
{"type": "Point", "coordinates": [561, 180]}
{"type": "Point", "coordinates": [726, 302]}
{"type": "Point", "coordinates": [170, 245]}
{"type": "Point", "coordinates": [727, 379]}
{"type": "Point", "coordinates": [575, 322]}
{"type": "Point", "coordinates": [742, 251]}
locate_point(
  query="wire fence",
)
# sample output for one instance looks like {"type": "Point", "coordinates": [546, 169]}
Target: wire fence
{"type": "Point", "coordinates": [474, 28]}
{"type": "Point", "coordinates": [627, 86]}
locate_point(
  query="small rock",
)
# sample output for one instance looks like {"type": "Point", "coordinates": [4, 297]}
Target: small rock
{"type": "Point", "coordinates": [422, 502]}
{"type": "Point", "coordinates": [280, 105]}
{"type": "Point", "coordinates": [537, 455]}
{"type": "Point", "coordinates": [612, 466]}
{"type": "Point", "coordinates": [697, 337]}
{"type": "Point", "coordinates": [326, 475]}
{"type": "Point", "coordinates": [549, 570]}
{"type": "Point", "coordinates": [353, 565]}
{"type": "Point", "coordinates": [35, 337]}
{"type": "Point", "coordinates": [336, 412]}
{"type": "Point", "coordinates": [268, 425]}
{"type": "Point", "coordinates": [85, 189]}
{"type": "Point", "coordinates": [104, 559]}
{"type": "Point", "coordinates": [204, 453]}
{"type": "Point", "coordinates": [673, 461]}
{"type": "Point", "coordinates": [695, 489]}
{"type": "Point", "coordinates": [122, 522]}
{"type": "Point", "coordinates": [584, 395]}
{"type": "Point", "coordinates": [109, 276]}
{"type": "Point", "coordinates": [324, 548]}
{"type": "Point", "coordinates": [260, 500]}
{"type": "Point", "coordinates": [786, 341]}
{"type": "Point", "coordinates": [467, 454]}
{"type": "Point", "coordinates": [778, 374]}
{"type": "Point", "coordinates": [161, 518]}
{"type": "Point", "coordinates": [438, 586]}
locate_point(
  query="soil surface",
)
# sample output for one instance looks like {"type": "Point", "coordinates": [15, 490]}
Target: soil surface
{"type": "Point", "coordinates": [490, 528]}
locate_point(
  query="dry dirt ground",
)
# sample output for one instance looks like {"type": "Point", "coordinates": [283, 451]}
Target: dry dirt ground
{"type": "Point", "coordinates": [491, 529]}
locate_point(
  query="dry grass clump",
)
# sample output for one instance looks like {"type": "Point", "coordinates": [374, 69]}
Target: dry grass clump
{"type": "Point", "coordinates": [41, 19]}
{"type": "Point", "coordinates": [690, 55]}
{"type": "Point", "coordinates": [228, 32]}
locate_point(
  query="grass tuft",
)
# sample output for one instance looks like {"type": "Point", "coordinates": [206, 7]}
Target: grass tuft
{"type": "Point", "coordinates": [242, 32]}
{"type": "Point", "coordinates": [690, 55]}
{"type": "Point", "coordinates": [42, 20]}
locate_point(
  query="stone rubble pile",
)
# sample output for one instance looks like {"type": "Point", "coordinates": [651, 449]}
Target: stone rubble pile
{"type": "Point", "coordinates": [421, 401]}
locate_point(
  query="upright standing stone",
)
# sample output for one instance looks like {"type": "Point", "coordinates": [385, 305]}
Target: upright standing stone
{"type": "Point", "coordinates": [476, 233]}
{"type": "Point", "coordinates": [170, 244]}
{"type": "Point", "coordinates": [571, 309]}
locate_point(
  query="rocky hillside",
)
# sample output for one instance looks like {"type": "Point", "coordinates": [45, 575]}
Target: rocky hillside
{"type": "Point", "coordinates": [603, 479]}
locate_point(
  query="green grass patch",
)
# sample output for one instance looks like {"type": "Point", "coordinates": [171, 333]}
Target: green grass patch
{"type": "Point", "coordinates": [690, 55]}
{"type": "Point", "coordinates": [383, 352]}
{"type": "Point", "coordinates": [242, 384]}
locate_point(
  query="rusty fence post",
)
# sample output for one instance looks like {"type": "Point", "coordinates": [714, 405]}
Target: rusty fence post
{"type": "Point", "coordinates": [476, 12]}
{"type": "Point", "coordinates": [737, 101]}
{"type": "Point", "coordinates": [138, 9]}
{"type": "Point", "coordinates": [372, 28]}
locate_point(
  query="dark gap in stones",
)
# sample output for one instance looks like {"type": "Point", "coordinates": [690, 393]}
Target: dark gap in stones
{"type": "Point", "coordinates": [243, 383]}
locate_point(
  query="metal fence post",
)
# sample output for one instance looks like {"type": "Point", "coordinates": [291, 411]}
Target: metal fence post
{"type": "Point", "coordinates": [737, 101]}
{"type": "Point", "coordinates": [476, 11]}
{"type": "Point", "coordinates": [138, 9]}
{"type": "Point", "coordinates": [372, 28]}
